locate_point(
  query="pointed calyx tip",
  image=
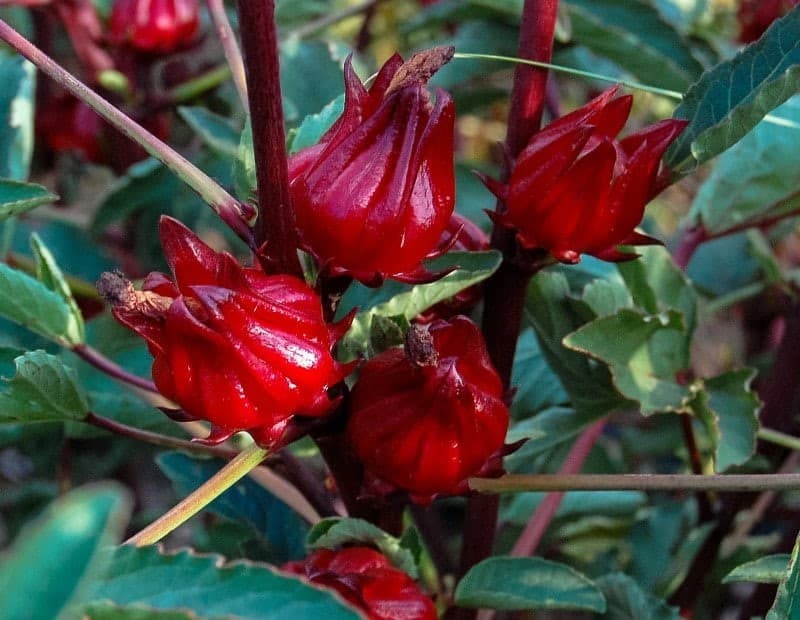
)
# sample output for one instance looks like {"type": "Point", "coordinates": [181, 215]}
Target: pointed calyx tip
{"type": "Point", "coordinates": [421, 66]}
{"type": "Point", "coordinates": [419, 346]}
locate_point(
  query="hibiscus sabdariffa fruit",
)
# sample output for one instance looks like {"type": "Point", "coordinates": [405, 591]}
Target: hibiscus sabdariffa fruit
{"type": "Point", "coordinates": [241, 349]}
{"type": "Point", "coordinates": [367, 580]}
{"type": "Point", "coordinates": [427, 417]}
{"type": "Point", "coordinates": [575, 189]}
{"type": "Point", "coordinates": [373, 197]}
{"type": "Point", "coordinates": [158, 26]}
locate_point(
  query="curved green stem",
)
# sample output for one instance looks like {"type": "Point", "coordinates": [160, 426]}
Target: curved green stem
{"type": "Point", "coordinates": [206, 493]}
{"type": "Point", "coordinates": [234, 213]}
{"type": "Point", "coordinates": [779, 439]}
{"type": "Point", "coordinates": [522, 483]}
{"type": "Point", "coordinates": [227, 39]}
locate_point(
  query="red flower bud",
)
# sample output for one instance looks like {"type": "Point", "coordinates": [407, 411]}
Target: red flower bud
{"type": "Point", "coordinates": [575, 189]}
{"type": "Point", "coordinates": [373, 197]}
{"type": "Point", "coordinates": [160, 26]}
{"type": "Point", "coordinates": [67, 124]}
{"type": "Point", "coordinates": [366, 580]}
{"type": "Point", "coordinates": [468, 237]}
{"type": "Point", "coordinates": [427, 418]}
{"type": "Point", "coordinates": [755, 16]}
{"type": "Point", "coordinates": [232, 345]}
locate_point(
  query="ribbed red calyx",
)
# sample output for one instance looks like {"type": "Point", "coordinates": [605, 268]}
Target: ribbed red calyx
{"type": "Point", "coordinates": [468, 237]}
{"type": "Point", "coordinates": [575, 189]}
{"type": "Point", "coordinates": [426, 418]}
{"type": "Point", "coordinates": [755, 16]}
{"type": "Point", "coordinates": [367, 580]}
{"type": "Point", "coordinates": [158, 26]}
{"type": "Point", "coordinates": [373, 197]}
{"type": "Point", "coordinates": [234, 346]}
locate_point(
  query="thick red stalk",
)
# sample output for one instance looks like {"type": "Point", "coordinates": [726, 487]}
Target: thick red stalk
{"type": "Point", "coordinates": [275, 224]}
{"type": "Point", "coordinates": [505, 291]}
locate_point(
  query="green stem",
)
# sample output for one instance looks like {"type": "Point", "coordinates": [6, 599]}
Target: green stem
{"type": "Point", "coordinates": [197, 86]}
{"type": "Point", "coordinates": [522, 483]}
{"type": "Point", "coordinates": [206, 493]}
{"type": "Point", "coordinates": [227, 39]}
{"type": "Point", "coordinates": [779, 439]}
{"type": "Point", "coordinates": [330, 19]}
{"type": "Point", "coordinates": [235, 214]}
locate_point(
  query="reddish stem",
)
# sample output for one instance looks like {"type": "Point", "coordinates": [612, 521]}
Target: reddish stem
{"type": "Point", "coordinates": [691, 240]}
{"type": "Point", "coordinates": [275, 224]}
{"type": "Point", "coordinates": [101, 362]}
{"type": "Point", "coordinates": [537, 526]}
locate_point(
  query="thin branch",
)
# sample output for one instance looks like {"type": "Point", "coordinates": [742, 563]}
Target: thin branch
{"type": "Point", "coordinates": [112, 369]}
{"type": "Point", "coordinates": [521, 483]}
{"type": "Point", "coordinates": [230, 47]}
{"type": "Point", "coordinates": [323, 22]}
{"type": "Point", "coordinates": [706, 511]}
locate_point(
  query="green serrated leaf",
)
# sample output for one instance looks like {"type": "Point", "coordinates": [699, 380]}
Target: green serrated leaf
{"type": "Point", "coordinates": [787, 601]}
{"type": "Point", "coordinates": [335, 531]}
{"type": "Point", "coordinates": [757, 178]}
{"type": "Point", "coordinates": [42, 390]}
{"type": "Point", "coordinates": [527, 583]}
{"type": "Point", "coordinates": [17, 197]}
{"type": "Point", "coordinates": [49, 274]}
{"type": "Point", "coordinates": [730, 99]}
{"type": "Point", "coordinates": [30, 303]}
{"type": "Point", "coordinates": [216, 131]}
{"type": "Point", "coordinates": [769, 569]}
{"type": "Point", "coordinates": [635, 36]}
{"type": "Point", "coordinates": [315, 125]}
{"type": "Point", "coordinates": [397, 300]}
{"type": "Point", "coordinates": [606, 297]}
{"type": "Point", "coordinates": [643, 351]}
{"type": "Point", "coordinates": [246, 501]}
{"type": "Point", "coordinates": [211, 588]}
{"type": "Point", "coordinates": [626, 600]}
{"type": "Point", "coordinates": [729, 409]}
{"type": "Point", "coordinates": [53, 558]}
{"type": "Point", "coordinates": [17, 76]}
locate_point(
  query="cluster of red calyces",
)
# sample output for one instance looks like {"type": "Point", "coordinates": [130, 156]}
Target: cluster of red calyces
{"type": "Point", "coordinates": [373, 197]}
{"type": "Point", "coordinates": [232, 345]}
{"type": "Point", "coordinates": [575, 189]}
{"type": "Point", "coordinates": [366, 580]}
{"type": "Point", "coordinates": [755, 16]}
{"type": "Point", "coordinates": [426, 418]}
{"type": "Point", "coordinates": [158, 26]}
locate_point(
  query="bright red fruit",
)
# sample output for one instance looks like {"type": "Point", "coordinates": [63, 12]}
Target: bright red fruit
{"type": "Point", "coordinates": [159, 26]}
{"type": "Point", "coordinates": [755, 16]}
{"type": "Point", "coordinates": [373, 197]}
{"type": "Point", "coordinates": [232, 345]}
{"type": "Point", "coordinates": [576, 190]}
{"type": "Point", "coordinates": [469, 237]}
{"type": "Point", "coordinates": [366, 580]}
{"type": "Point", "coordinates": [427, 418]}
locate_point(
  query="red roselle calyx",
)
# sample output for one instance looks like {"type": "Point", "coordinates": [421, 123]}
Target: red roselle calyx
{"type": "Point", "coordinates": [576, 190]}
{"type": "Point", "coordinates": [366, 580]}
{"type": "Point", "coordinates": [234, 346]}
{"type": "Point", "coordinates": [159, 26]}
{"type": "Point", "coordinates": [426, 418]}
{"type": "Point", "coordinates": [373, 197]}
{"type": "Point", "coordinates": [468, 237]}
{"type": "Point", "coordinates": [67, 124]}
{"type": "Point", "coordinates": [755, 16]}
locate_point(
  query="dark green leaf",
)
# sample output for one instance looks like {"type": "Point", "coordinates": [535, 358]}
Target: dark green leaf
{"type": "Point", "coordinates": [577, 504]}
{"type": "Point", "coordinates": [313, 126]}
{"type": "Point", "coordinates": [42, 390]}
{"type": "Point", "coordinates": [527, 583]}
{"type": "Point", "coordinates": [282, 529]}
{"type": "Point", "coordinates": [216, 131]}
{"type": "Point", "coordinates": [537, 386]}
{"type": "Point", "coordinates": [729, 409]}
{"type": "Point", "coordinates": [730, 99]}
{"type": "Point", "coordinates": [755, 179]}
{"type": "Point", "coordinates": [643, 352]}
{"type": "Point", "coordinates": [550, 428]}
{"type": "Point", "coordinates": [397, 300]}
{"type": "Point", "coordinates": [110, 611]}
{"type": "Point", "coordinates": [626, 600]}
{"type": "Point", "coordinates": [30, 303]}
{"type": "Point", "coordinates": [787, 602]}
{"type": "Point", "coordinates": [17, 197]}
{"type": "Point", "coordinates": [333, 532]}
{"type": "Point", "coordinates": [769, 569]}
{"type": "Point", "coordinates": [55, 557]}
{"type": "Point", "coordinates": [312, 76]}
{"type": "Point", "coordinates": [634, 35]}
{"type": "Point", "coordinates": [211, 588]}
{"type": "Point", "coordinates": [17, 76]}
{"type": "Point", "coordinates": [49, 274]}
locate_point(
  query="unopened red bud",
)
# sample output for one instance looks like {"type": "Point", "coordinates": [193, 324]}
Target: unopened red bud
{"type": "Point", "coordinates": [160, 26]}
